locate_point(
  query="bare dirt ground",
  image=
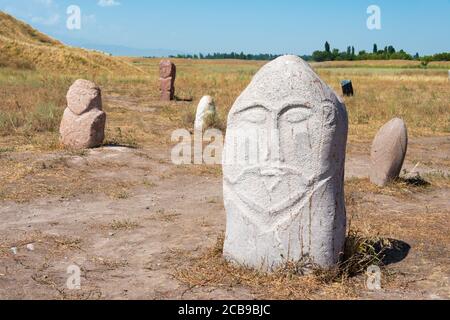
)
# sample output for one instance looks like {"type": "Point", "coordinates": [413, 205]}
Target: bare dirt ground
{"type": "Point", "coordinates": [129, 243]}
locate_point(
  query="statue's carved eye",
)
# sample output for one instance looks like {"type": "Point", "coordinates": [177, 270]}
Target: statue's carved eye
{"type": "Point", "coordinates": [297, 115]}
{"type": "Point", "coordinates": [255, 115]}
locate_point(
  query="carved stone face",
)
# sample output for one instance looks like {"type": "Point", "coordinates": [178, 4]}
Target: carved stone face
{"type": "Point", "coordinates": [276, 141]}
{"type": "Point", "coordinates": [167, 69]}
{"type": "Point", "coordinates": [275, 179]}
{"type": "Point", "coordinates": [285, 140]}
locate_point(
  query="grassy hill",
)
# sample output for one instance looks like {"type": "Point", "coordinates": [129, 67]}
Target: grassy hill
{"type": "Point", "coordinates": [23, 47]}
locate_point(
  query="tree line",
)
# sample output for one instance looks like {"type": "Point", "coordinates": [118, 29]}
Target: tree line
{"type": "Point", "coordinates": [386, 53]}
{"type": "Point", "coordinates": [232, 55]}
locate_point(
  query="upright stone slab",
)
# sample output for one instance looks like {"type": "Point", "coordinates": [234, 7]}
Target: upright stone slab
{"type": "Point", "coordinates": [388, 152]}
{"type": "Point", "coordinates": [84, 96]}
{"type": "Point", "coordinates": [83, 122]}
{"type": "Point", "coordinates": [206, 107]}
{"type": "Point", "coordinates": [283, 167]}
{"type": "Point", "coordinates": [167, 75]}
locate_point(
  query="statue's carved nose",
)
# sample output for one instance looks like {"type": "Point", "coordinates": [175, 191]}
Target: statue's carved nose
{"type": "Point", "coordinates": [271, 182]}
{"type": "Point", "coordinates": [272, 178]}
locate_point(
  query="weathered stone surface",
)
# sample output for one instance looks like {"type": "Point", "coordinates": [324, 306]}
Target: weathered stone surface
{"type": "Point", "coordinates": [388, 152]}
{"type": "Point", "coordinates": [167, 69]}
{"type": "Point", "coordinates": [84, 96]}
{"type": "Point", "coordinates": [167, 89]}
{"type": "Point", "coordinates": [205, 108]}
{"type": "Point", "coordinates": [167, 85]}
{"type": "Point", "coordinates": [167, 74]}
{"type": "Point", "coordinates": [283, 167]}
{"type": "Point", "coordinates": [83, 123]}
{"type": "Point", "coordinates": [85, 131]}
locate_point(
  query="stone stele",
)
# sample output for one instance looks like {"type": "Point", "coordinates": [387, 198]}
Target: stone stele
{"type": "Point", "coordinates": [83, 122]}
{"type": "Point", "coordinates": [167, 75]}
{"type": "Point", "coordinates": [388, 152]}
{"type": "Point", "coordinates": [283, 165]}
{"type": "Point", "coordinates": [205, 108]}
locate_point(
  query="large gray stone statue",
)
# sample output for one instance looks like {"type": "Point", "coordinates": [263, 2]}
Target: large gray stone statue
{"type": "Point", "coordinates": [283, 167]}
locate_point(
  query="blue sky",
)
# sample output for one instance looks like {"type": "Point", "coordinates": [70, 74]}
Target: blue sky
{"type": "Point", "coordinates": [272, 26]}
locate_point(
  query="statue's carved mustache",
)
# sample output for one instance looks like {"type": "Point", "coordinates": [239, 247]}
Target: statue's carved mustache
{"type": "Point", "coordinates": [266, 171]}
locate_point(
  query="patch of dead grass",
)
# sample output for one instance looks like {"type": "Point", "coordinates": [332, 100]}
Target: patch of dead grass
{"type": "Point", "coordinates": [291, 281]}
{"type": "Point", "coordinates": [126, 224]}
{"type": "Point", "coordinates": [54, 245]}
{"type": "Point", "coordinates": [164, 216]}
{"type": "Point", "coordinates": [110, 264]}
{"type": "Point", "coordinates": [30, 178]}
{"type": "Point", "coordinates": [402, 187]}
{"type": "Point", "coordinates": [438, 179]}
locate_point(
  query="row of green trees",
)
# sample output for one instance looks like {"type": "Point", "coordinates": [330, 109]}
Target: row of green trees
{"type": "Point", "coordinates": [232, 55]}
{"type": "Point", "coordinates": [445, 56]}
{"type": "Point", "coordinates": [387, 53]}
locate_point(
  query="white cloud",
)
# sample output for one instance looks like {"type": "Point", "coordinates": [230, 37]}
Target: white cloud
{"type": "Point", "coordinates": [108, 3]}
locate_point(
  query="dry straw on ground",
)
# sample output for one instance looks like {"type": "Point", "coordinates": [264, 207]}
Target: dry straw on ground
{"type": "Point", "coordinates": [32, 103]}
{"type": "Point", "coordinates": [293, 280]}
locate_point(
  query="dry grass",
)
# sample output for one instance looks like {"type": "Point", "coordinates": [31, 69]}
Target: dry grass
{"type": "Point", "coordinates": [291, 281]}
{"type": "Point", "coordinates": [26, 178]}
{"type": "Point", "coordinates": [32, 103]}
{"type": "Point", "coordinates": [418, 96]}
{"type": "Point", "coordinates": [164, 216]}
{"type": "Point", "coordinates": [23, 47]}
{"type": "Point", "coordinates": [399, 188]}
{"type": "Point", "coordinates": [402, 187]}
{"type": "Point", "coordinates": [110, 264]}
{"type": "Point", "coordinates": [360, 253]}
{"type": "Point", "coordinates": [29, 56]}
{"type": "Point", "coordinates": [421, 99]}
{"type": "Point", "coordinates": [13, 29]}
{"type": "Point", "coordinates": [123, 225]}
{"type": "Point", "coordinates": [438, 179]}
{"type": "Point", "coordinates": [396, 64]}
{"type": "Point", "coordinates": [55, 245]}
